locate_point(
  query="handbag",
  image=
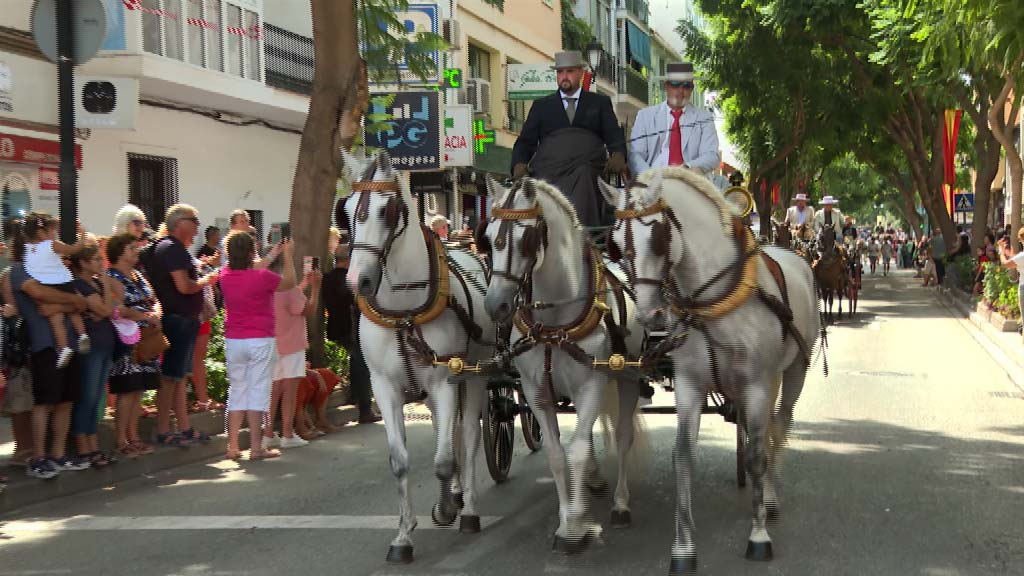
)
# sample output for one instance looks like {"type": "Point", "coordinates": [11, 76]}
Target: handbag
{"type": "Point", "coordinates": [151, 344]}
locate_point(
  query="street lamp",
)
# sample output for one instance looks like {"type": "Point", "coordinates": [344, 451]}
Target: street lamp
{"type": "Point", "coordinates": [594, 52]}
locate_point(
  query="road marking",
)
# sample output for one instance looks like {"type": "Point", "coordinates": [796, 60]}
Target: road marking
{"type": "Point", "coordinates": [532, 518]}
{"type": "Point", "coordinates": [87, 523]}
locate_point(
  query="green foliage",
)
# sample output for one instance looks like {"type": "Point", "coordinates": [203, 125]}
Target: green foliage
{"type": "Point", "coordinates": [216, 366]}
{"type": "Point", "coordinates": [1000, 293]}
{"type": "Point", "coordinates": [337, 358]}
{"type": "Point", "coordinates": [962, 269]}
{"type": "Point", "coordinates": [576, 32]}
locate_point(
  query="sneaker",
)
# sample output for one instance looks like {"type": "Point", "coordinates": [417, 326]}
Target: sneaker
{"type": "Point", "coordinates": [71, 463]}
{"type": "Point", "coordinates": [292, 442]}
{"type": "Point", "coordinates": [41, 468]}
{"type": "Point", "coordinates": [84, 344]}
{"type": "Point", "coordinates": [272, 441]}
{"type": "Point", "coordinates": [65, 357]}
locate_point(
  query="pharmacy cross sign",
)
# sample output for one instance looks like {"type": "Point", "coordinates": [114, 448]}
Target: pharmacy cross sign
{"type": "Point", "coordinates": [481, 137]}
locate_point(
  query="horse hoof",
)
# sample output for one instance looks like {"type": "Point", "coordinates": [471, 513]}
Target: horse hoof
{"type": "Point", "coordinates": [440, 518]}
{"type": "Point", "coordinates": [759, 551]}
{"type": "Point", "coordinates": [469, 524]}
{"type": "Point", "coordinates": [459, 500]}
{"type": "Point", "coordinates": [563, 545]}
{"type": "Point", "coordinates": [400, 554]}
{"type": "Point", "coordinates": [621, 519]}
{"type": "Point", "coordinates": [685, 566]}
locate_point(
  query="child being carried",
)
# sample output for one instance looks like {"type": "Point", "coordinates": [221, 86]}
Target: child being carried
{"type": "Point", "coordinates": [44, 255]}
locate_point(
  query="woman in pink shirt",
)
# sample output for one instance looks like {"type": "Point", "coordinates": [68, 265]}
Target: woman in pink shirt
{"type": "Point", "coordinates": [249, 344]}
{"type": "Point", "coordinates": [291, 308]}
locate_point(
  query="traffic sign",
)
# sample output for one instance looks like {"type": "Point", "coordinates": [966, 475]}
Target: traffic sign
{"type": "Point", "coordinates": [88, 23]}
{"type": "Point", "coordinates": [964, 202]}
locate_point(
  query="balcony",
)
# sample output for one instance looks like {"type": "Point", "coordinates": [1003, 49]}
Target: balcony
{"type": "Point", "coordinates": [637, 8]}
{"type": "Point", "coordinates": [632, 83]}
{"type": "Point", "coordinates": [606, 70]}
{"type": "Point", "coordinates": [289, 60]}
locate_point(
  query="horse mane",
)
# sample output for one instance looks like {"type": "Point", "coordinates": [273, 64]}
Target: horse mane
{"type": "Point", "coordinates": [556, 196]}
{"type": "Point", "coordinates": [652, 179]}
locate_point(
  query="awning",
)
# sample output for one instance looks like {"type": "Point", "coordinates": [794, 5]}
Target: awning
{"type": "Point", "coordinates": [639, 44]}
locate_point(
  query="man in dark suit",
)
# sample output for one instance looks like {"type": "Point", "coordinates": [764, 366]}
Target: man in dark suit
{"type": "Point", "coordinates": [570, 106]}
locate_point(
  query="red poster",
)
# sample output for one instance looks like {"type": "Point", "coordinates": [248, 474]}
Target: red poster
{"type": "Point", "coordinates": [49, 178]}
{"type": "Point", "coordinates": [34, 150]}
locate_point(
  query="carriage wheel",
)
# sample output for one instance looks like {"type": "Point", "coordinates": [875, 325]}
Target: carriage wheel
{"type": "Point", "coordinates": [499, 429]}
{"type": "Point", "coordinates": [741, 449]}
{"type": "Point", "coordinates": [531, 426]}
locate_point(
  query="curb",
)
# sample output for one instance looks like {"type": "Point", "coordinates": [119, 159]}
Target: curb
{"type": "Point", "coordinates": [1009, 358]}
{"type": "Point", "coordinates": [24, 491]}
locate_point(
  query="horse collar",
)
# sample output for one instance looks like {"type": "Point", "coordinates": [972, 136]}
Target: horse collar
{"type": "Point", "coordinates": [739, 291]}
{"type": "Point", "coordinates": [585, 323]}
{"type": "Point", "coordinates": [437, 298]}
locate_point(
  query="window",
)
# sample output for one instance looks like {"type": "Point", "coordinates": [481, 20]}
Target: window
{"type": "Point", "coordinates": [215, 34]}
{"type": "Point", "coordinates": [479, 63]}
{"type": "Point", "coordinates": [290, 60]}
{"type": "Point", "coordinates": [152, 185]}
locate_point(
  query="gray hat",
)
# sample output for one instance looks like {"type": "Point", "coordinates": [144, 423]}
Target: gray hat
{"type": "Point", "coordinates": [678, 72]}
{"type": "Point", "coordinates": [569, 59]}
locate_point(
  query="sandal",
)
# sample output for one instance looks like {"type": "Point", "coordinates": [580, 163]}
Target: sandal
{"type": "Point", "coordinates": [127, 451]}
{"type": "Point", "coordinates": [149, 411]}
{"type": "Point", "coordinates": [173, 439]}
{"type": "Point", "coordinates": [233, 455]}
{"type": "Point", "coordinates": [265, 454]}
{"type": "Point", "coordinates": [98, 459]}
{"type": "Point", "coordinates": [142, 448]}
{"type": "Point", "coordinates": [192, 435]}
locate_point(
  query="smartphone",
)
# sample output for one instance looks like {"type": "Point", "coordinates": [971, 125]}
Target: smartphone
{"type": "Point", "coordinates": [310, 264]}
{"type": "Point", "coordinates": [286, 231]}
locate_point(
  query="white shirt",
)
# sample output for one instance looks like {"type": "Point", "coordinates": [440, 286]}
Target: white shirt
{"type": "Point", "coordinates": [801, 215]}
{"type": "Point", "coordinates": [45, 265]}
{"type": "Point", "coordinates": [1019, 261]}
{"type": "Point", "coordinates": [565, 98]}
{"type": "Point", "coordinates": [664, 154]}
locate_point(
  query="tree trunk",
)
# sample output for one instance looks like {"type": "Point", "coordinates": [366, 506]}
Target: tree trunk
{"type": "Point", "coordinates": [986, 149]}
{"type": "Point", "coordinates": [336, 79]}
{"type": "Point", "coordinates": [1002, 123]}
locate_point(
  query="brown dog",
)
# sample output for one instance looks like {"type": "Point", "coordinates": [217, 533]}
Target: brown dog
{"type": "Point", "coordinates": [314, 390]}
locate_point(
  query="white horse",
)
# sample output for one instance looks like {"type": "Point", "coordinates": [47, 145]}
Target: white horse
{"type": "Point", "coordinates": [539, 254]}
{"type": "Point", "coordinates": [416, 309]}
{"type": "Point", "coordinates": [697, 270]}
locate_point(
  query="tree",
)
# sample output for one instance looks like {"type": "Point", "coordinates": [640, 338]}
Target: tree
{"type": "Point", "coordinates": [337, 103]}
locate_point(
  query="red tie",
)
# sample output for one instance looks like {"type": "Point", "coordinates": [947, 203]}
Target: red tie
{"type": "Point", "coordinates": [675, 142]}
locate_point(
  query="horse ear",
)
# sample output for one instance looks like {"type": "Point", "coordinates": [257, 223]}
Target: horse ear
{"type": "Point", "coordinates": [349, 164]}
{"type": "Point", "coordinates": [610, 193]}
{"type": "Point", "coordinates": [493, 188]}
{"type": "Point", "coordinates": [530, 185]}
{"type": "Point", "coordinates": [340, 217]}
{"type": "Point", "coordinates": [384, 163]}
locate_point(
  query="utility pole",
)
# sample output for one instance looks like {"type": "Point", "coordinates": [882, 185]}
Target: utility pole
{"type": "Point", "coordinates": [66, 116]}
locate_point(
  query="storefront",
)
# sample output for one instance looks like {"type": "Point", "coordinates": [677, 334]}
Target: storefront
{"type": "Point", "coordinates": [28, 174]}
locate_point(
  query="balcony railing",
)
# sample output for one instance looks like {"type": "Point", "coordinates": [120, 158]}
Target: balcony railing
{"type": "Point", "coordinates": [289, 60]}
{"type": "Point", "coordinates": [638, 8]}
{"type": "Point", "coordinates": [632, 83]}
{"type": "Point", "coordinates": [606, 70]}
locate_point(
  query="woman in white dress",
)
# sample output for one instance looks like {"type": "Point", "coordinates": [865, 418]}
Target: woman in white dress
{"type": "Point", "coordinates": [44, 255]}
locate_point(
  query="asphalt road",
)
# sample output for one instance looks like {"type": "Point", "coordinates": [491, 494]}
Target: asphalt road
{"type": "Point", "coordinates": [908, 459]}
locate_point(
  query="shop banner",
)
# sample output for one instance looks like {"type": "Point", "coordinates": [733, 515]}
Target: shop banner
{"type": "Point", "coordinates": [33, 150]}
{"type": "Point", "coordinates": [413, 134]}
{"type": "Point", "coordinates": [458, 135]}
{"type": "Point", "coordinates": [530, 81]}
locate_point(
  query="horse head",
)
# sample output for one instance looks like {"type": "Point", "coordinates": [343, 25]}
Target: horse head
{"type": "Point", "coordinates": [783, 234]}
{"type": "Point", "coordinates": [376, 214]}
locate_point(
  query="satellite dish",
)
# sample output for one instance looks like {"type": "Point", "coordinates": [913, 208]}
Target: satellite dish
{"type": "Point", "coordinates": [88, 26]}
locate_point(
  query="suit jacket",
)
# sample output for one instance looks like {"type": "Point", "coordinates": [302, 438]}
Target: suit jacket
{"type": "Point", "coordinates": [837, 222]}
{"type": "Point", "coordinates": [593, 112]}
{"type": "Point", "coordinates": [650, 131]}
{"type": "Point", "coordinates": [793, 218]}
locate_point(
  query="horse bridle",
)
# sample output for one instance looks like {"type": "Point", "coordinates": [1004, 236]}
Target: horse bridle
{"type": "Point", "coordinates": [535, 237]}
{"type": "Point", "coordinates": [395, 214]}
{"type": "Point", "coordinates": [661, 238]}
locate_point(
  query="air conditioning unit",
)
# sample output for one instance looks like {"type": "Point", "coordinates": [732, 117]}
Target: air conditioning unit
{"type": "Point", "coordinates": [462, 95]}
{"type": "Point", "coordinates": [479, 95]}
{"type": "Point", "coordinates": [452, 34]}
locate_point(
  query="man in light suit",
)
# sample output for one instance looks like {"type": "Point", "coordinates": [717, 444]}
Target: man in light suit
{"type": "Point", "coordinates": [801, 213]}
{"type": "Point", "coordinates": [829, 217]}
{"type": "Point", "coordinates": [675, 132]}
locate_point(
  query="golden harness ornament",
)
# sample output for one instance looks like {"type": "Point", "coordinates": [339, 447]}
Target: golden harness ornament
{"type": "Point", "coordinates": [437, 307]}
{"type": "Point", "coordinates": [744, 288]}
{"type": "Point", "coordinates": [741, 198]}
{"type": "Point", "coordinates": [516, 213]}
{"type": "Point", "coordinates": [632, 213]}
{"type": "Point", "coordinates": [375, 186]}
{"type": "Point", "coordinates": [583, 328]}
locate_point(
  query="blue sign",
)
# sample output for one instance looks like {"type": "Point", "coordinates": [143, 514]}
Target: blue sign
{"type": "Point", "coordinates": [413, 137]}
{"type": "Point", "coordinates": [964, 202]}
{"type": "Point", "coordinates": [418, 18]}
{"type": "Point", "coordinates": [115, 39]}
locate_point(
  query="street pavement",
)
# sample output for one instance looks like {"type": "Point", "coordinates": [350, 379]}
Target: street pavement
{"type": "Point", "coordinates": [908, 459]}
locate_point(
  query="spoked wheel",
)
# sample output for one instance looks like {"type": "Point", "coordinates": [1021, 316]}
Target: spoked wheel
{"type": "Point", "coordinates": [499, 428]}
{"type": "Point", "coordinates": [531, 426]}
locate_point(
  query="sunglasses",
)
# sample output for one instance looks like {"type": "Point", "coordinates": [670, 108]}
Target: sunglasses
{"type": "Point", "coordinates": [688, 85]}
{"type": "Point", "coordinates": [139, 222]}
{"type": "Point", "coordinates": [192, 219]}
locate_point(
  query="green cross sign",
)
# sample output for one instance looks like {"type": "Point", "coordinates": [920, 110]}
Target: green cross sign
{"type": "Point", "coordinates": [481, 137]}
{"type": "Point", "coordinates": [452, 78]}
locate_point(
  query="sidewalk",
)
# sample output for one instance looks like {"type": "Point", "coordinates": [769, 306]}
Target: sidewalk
{"type": "Point", "coordinates": [22, 491]}
{"type": "Point", "coordinates": [1006, 348]}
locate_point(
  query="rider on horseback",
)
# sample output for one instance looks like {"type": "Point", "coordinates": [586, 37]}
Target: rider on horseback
{"type": "Point", "coordinates": [800, 216]}
{"type": "Point", "coordinates": [828, 217]}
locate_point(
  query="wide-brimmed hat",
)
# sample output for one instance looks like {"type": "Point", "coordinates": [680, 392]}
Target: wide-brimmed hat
{"type": "Point", "coordinates": [678, 72]}
{"type": "Point", "coordinates": [828, 200]}
{"type": "Point", "coordinates": [569, 59]}
{"type": "Point", "coordinates": [800, 196]}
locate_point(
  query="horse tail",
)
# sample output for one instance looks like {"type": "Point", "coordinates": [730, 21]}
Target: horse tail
{"type": "Point", "coordinates": [640, 451]}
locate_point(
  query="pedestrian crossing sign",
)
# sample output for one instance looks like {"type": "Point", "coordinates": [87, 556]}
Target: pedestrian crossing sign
{"type": "Point", "coordinates": [964, 203]}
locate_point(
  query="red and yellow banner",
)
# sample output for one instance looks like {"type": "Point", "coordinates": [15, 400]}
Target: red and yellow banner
{"type": "Point", "coordinates": [950, 133]}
